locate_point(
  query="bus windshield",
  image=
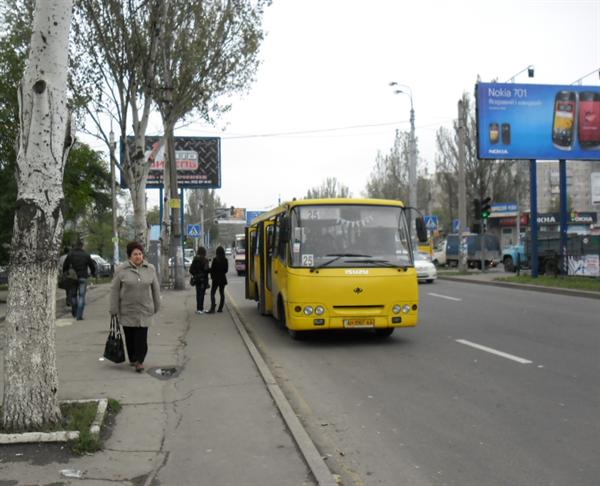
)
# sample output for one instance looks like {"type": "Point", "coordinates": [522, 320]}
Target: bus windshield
{"type": "Point", "coordinates": [349, 236]}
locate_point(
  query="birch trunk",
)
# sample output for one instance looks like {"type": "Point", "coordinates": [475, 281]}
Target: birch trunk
{"type": "Point", "coordinates": [30, 399]}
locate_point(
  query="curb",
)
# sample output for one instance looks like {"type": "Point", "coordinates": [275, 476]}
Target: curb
{"type": "Point", "coordinates": [536, 288]}
{"type": "Point", "coordinates": [309, 451]}
{"type": "Point", "coordinates": [61, 435]}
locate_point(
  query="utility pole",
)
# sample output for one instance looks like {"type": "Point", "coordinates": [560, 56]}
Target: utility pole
{"type": "Point", "coordinates": [113, 188]}
{"type": "Point", "coordinates": [412, 167]}
{"type": "Point", "coordinates": [462, 191]}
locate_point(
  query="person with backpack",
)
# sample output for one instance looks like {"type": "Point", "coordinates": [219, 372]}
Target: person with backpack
{"type": "Point", "coordinates": [199, 271]}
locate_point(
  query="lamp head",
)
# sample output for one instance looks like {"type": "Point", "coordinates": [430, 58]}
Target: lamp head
{"type": "Point", "coordinates": [530, 71]}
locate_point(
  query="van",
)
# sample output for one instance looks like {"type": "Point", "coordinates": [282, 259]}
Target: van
{"type": "Point", "coordinates": [491, 253]}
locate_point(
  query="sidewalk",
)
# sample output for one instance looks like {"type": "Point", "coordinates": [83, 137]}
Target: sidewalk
{"type": "Point", "coordinates": [490, 277]}
{"type": "Point", "coordinates": [212, 423]}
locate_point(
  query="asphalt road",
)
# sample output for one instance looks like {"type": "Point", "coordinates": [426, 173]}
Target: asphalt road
{"type": "Point", "coordinates": [496, 386]}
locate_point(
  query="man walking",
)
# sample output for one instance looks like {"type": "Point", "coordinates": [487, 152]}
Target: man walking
{"type": "Point", "coordinates": [80, 261]}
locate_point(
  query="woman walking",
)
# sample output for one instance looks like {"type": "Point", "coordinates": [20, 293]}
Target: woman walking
{"type": "Point", "coordinates": [199, 270]}
{"type": "Point", "coordinates": [218, 272]}
{"type": "Point", "coordinates": [135, 298]}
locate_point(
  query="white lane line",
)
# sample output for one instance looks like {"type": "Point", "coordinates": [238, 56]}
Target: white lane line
{"type": "Point", "coordinates": [494, 351]}
{"type": "Point", "coordinates": [445, 297]}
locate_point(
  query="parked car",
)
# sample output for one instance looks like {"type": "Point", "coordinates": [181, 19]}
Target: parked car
{"type": "Point", "coordinates": [439, 254]}
{"type": "Point", "coordinates": [103, 267]}
{"type": "Point", "coordinates": [426, 271]}
{"type": "Point", "coordinates": [3, 275]}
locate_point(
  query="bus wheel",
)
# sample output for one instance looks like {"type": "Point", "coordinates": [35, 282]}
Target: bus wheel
{"type": "Point", "coordinates": [384, 332]}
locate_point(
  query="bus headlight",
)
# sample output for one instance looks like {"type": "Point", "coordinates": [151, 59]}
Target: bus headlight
{"type": "Point", "coordinates": [396, 309]}
{"type": "Point", "coordinates": [319, 310]}
{"type": "Point", "coordinates": [308, 310]}
{"type": "Point", "coordinates": [406, 309]}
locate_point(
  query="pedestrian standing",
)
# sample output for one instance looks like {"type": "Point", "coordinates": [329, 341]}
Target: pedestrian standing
{"type": "Point", "coordinates": [79, 260]}
{"type": "Point", "coordinates": [135, 298]}
{"type": "Point", "coordinates": [199, 270]}
{"type": "Point", "coordinates": [218, 273]}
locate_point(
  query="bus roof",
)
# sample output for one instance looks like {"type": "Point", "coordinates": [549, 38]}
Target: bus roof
{"type": "Point", "coordinates": [322, 202]}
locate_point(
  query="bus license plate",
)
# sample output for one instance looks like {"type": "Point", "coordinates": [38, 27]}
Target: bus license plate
{"type": "Point", "coordinates": [359, 322]}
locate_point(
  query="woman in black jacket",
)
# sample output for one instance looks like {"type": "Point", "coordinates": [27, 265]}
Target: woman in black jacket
{"type": "Point", "coordinates": [199, 270]}
{"type": "Point", "coordinates": [218, 272]}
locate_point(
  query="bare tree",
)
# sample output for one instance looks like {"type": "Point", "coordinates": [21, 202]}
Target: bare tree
{"type": "Point", "coordinates": [115, 58]}
{"type": "Point", "coordinates": [208, 50]}
{"type": "Point", "coordinates": [330, 188]}
{"type": "Point", "coordinates": [493, 178]}
{"type": "Point", "coordinates": [389, 178]}
{"type": "Point", "coordinates": [30, 398]}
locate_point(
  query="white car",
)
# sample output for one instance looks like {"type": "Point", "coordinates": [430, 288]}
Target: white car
{"type": "Point", "coordinates": [439, 254]}
{"type": "Point", "coordinates": [187, 262]}
{"type": "Point", "coordinates": [426, 271]}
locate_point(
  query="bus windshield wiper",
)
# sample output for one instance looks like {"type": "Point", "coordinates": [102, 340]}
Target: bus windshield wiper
{"type": "Point", "coordinates": [385, 263]}
{"type": "Point", "coordinates": [337, 257]}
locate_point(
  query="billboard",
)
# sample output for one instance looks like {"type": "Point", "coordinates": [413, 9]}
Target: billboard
{"type": "Point", "coordinates": [541, 122]}
{"type": "Point", "coordinates": [198, 162]}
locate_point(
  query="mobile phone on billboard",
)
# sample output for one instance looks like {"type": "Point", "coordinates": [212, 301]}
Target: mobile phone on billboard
{"type": "Point", "coordinates": [563, 126]}
{"type": "Point", "coordinates": [494, 133]}
{"type": "Point", "coordinates": [588, 126]}
{"type": "Point", "coordinates": [506, 133]}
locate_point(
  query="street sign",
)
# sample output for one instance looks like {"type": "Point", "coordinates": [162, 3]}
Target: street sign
{"type": "Point", "coordinates": [455, 225]}
{"type": "Point", "coordinates": [194, 230]}
{"type": "Point", "coordinates": [431, 222]}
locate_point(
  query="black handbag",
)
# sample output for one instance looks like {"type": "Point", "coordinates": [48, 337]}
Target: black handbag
{"type": "Point", "coordinates": [193, 281]}
{"type": "Point", "coordinates": [113, 349]}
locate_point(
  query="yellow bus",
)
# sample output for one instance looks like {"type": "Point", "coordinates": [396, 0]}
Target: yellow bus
{"type": "Point", "coordinates": [321, 264]}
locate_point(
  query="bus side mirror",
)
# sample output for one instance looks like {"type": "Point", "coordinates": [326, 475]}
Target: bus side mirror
{"type": "Point", "coordinates": [284, 230]}
{"type": "Point", "coordinates": [421, 229]}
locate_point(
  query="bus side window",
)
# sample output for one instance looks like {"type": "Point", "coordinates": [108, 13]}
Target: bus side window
{"type": "Point", "coordinates": [280, 241]}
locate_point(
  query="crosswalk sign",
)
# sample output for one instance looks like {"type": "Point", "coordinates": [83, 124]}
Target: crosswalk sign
{"type": "Point", "coordinates": [431, 222]}
{"type": "Point", "coordinates": [194, 230]}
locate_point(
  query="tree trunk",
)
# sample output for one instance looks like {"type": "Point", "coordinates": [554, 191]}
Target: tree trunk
{"type": "Point", "coordinates": [30, 399]}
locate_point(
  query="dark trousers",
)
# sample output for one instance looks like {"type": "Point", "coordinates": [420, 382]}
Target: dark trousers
{"type": "Point", "coordinates": [136, 341]}
{"type": "Point", "coordinates": [200, 290]}
{"type": "Point", "coordinates": [213, 291]}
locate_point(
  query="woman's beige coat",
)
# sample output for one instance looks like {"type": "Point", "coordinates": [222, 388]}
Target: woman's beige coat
{"type": "Point", "coordinates": [135, 294]}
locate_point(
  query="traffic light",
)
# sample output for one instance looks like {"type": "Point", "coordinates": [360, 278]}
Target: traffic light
{"type": "Point", "coordinates": [486, 208]}
{"type": "Point", "coordinates": [476, 209]}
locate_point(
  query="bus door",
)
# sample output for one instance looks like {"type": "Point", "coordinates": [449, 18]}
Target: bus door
{"type": "Point", "coordinates": [269, 254]}
{"type": "Point", "coordinates": [251, 278]}
{"type": "Point", "coordinates": [278, 262]}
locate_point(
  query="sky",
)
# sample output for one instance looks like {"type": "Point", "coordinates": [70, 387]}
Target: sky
{"type": "Point", "coordinates": [321, 105]}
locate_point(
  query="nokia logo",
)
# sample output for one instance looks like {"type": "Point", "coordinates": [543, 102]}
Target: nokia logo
{"type": "Point", "coordinates": [357, 272]}
{"type": "Point", "coordinates": [358, 290]}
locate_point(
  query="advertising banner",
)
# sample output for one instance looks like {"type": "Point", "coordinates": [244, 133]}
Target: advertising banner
{"type": "Point", "coordinates": [198, 162]}
{"type": "Point", "coordinates": [595, 187]}
{"type": "Point", "coordinates": [541, 122]}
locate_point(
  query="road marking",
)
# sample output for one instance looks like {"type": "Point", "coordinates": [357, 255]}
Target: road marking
{"type": "Point", "coordinates": [445, 297]}
{"type": "Point", "coordinates": [494, 351]}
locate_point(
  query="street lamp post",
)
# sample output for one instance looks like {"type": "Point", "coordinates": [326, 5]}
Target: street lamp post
{"type": "Point", "coordinates": [578, 81]}
{"type": "Point", "coordinates": [412, 161]}
{"type": "Point", "coordinates": [115, 238]}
